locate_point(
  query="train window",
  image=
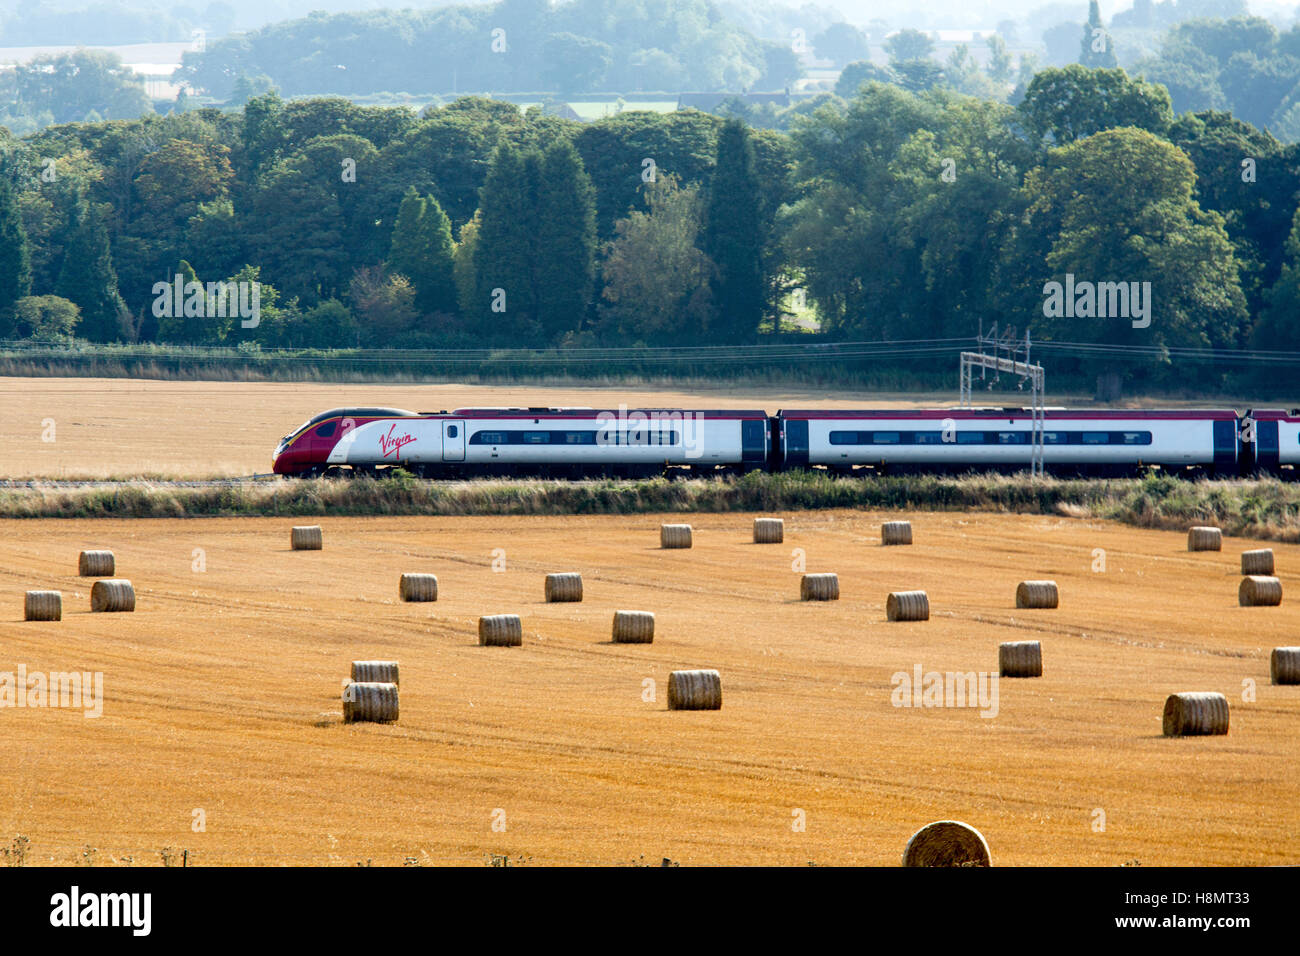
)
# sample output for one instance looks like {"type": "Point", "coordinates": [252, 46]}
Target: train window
{"type": "Point", "coordinates": [326, 430]}
{"type": "Point", "coordinates": [970, 438]}
{"type": "Point", "coordinates": [537, 438]}
{"type": "Point", "coordinates": [488, 438]}
{"type": "Point", "coordinates": [1013, 438]}
{"type": "Point", "coordinates": [885, 438]}
{"type": "Point", "coordinates": [579, 438]}
{"type": "Point", "coordinates": [452, 431]}
{"type": "Point", "coordinates": [927, 438]}
{"type": "Point", "coordinates": [1096, 438]}
{"type": "Point", "coordinates": [1135, 438]}
{"type": "Point", "coordinates": [845, 438]}
{"type": "Point", "coordinates": [1056, 438]}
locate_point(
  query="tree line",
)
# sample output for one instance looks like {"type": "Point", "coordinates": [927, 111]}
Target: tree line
{"type": "Point", "coordinates": [513, 45]}
{"type": "Point", "coordinates": [889, 215]}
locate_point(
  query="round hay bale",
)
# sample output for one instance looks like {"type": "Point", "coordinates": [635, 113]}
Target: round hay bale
{"type": "Point", "coordinates": [500, 630]}
{"type": "Point", "coordinates": [43, 606]}
{"type": "Point", "coordinates": [1204, 539]}
{"type": "Point", "coordinates": [769, 530]}
{"type": "Point", "coordinates": [634, 627]}
{"type": "Point", "coordinates": [96, 564]}
{"type": "Point", "coordinates": [819, 587]}
{"type": "Point", "coordinates": [1195, 714]}
{"type": "Point", "coordinates": [370, 701]}
{"type": "Point", "coordinates": [1037, 594]}
{"type": "Point", "coordinates": [694, 690]}
{"type": "Point", "coordinates": [1020, 659]}
{"type": "Point", "coordinates": [1259, 591]}
{"type": "Point", "coordinates": [1284, 665]}
{"type": "Point", "coordinates": [418, 587]}
{"type": "Point", "coordinates": [896, 532]}
{"type": "Point", "coordinates": [306, 538]}
{"type": "Point", "coordinates": [674, 536]}
{"type": "Point", "coordinates": [375, 672]}
{"type": "Point", "coordinates": [563, 587]}
{"type": "Point", "coordinates": [947, 843]}
{"type": "Point", "coordinates": [1257, 562]}
{"type": "Point", "coordinates": [907, 606]}
{"type": "Point", "coordinates": [112, 594]}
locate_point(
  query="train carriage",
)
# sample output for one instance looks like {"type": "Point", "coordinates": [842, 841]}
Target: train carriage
{"type": "Point", "coordinates": [527, 440]}
{"type": "Point", "coordinates": [964, 438]}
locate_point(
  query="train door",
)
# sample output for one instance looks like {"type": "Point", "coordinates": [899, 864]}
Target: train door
{"type": "Point", "coordinates": [453, 441]}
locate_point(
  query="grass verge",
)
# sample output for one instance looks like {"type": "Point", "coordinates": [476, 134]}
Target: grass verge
{"type": "Point", "coordinates": [1265, 508]}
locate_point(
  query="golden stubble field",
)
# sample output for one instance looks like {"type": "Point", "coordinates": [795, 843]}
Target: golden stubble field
{"type": "Point", "coordinates": [121, 428]}
{"type": "Point", "coordinates": [223, 695]}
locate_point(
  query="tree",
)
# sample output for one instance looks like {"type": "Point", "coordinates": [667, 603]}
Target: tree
{"type": "Point", "coordinates": [917, 76]}
{"type": "Point", "coordinates": [329, 325]}
{"type": "Point", "coordinates": [1097, 49]}
{"type": "Point", "coordinates": [734, 237]}
{"type": "Point", "coordinates": [907, 45]}
{"type": "Point", "coordinates": [1279, 326]}
{"type": "Point", "coordinates": [186, 322]}
{"type": "Point", "coordinates": [463, 270]}
{"type": "Point", "coordinates": [999, 67]}
{"type": "Point", "coordinates": [506, 252]}
{"type": "Point", "coordinates": [1256, 207]}
{"type": "Point", "coordinates": [87, 277]}
{"type": "Point", "coordinates": [841, 43]}
{"type": "Point", "coordinates": [299, 238]}
{"type": "Point", "coordinates": [422, 250]}
{"type": "Point", "coordinates": [73, 86]}
{"type": "Point", "coordinates": [215, 239]}
{"type": "Point", "coordinates": [263, 135]}
{"type": "Point", "coordinates": [656, 280]}
{"type": "Point", "coordinates": [1066, 104]}
{"type": "Point", "coordinates": [781, 67]}
{"type": "Point", "coordinates": [575, 64]}
{"type": "Point", "coordinates": [961, 72]}
{"type": "Point", "coordinates": [1190, 75]}
{"type": "Point", "coordinates": [1118, 206]}
{"type": "Point", "coordinates": [384, 305]}
{"type": "Point", "coordinates": [853, 76]}
{"type": "Point", "coordinates": [45, 318]}
{"type": "Point", "coordinates": [566, 241]}
{"type": "Point", "coordinates": [15, 261]}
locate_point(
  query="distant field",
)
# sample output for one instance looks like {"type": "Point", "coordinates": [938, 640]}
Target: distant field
{"type": "Point", "coordinates": [222, 695]}
{"type": "Point", "coordinates": [120, 428]}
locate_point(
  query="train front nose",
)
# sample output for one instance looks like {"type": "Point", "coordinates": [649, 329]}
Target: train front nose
{"type": "Point", "coordinates": [286, 460]}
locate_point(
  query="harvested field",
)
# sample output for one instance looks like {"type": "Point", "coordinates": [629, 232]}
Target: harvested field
{"type": "Point", "coordinates": [222, 694]}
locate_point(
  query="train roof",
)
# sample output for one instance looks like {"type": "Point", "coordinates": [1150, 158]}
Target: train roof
{"type": "Point", "coordinates": [363, 413]}
{"type": "Point", "coordinates": [977, 413]}
{"type": "Point", "coordinates": [588, 412]}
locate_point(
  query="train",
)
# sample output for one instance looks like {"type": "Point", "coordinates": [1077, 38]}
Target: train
{"type": "Point", "coordinates": [639, 442]}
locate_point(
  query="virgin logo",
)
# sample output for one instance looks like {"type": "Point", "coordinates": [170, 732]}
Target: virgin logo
{"type": "Point", "coordinates": [390, 445]}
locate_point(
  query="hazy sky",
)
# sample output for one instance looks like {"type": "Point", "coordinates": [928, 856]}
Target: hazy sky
{"type": "Point", "coordinates": [932, 14]}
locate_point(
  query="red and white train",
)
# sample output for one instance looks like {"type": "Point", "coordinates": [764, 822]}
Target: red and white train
{"type": "Point", "coordinates": [634, 442]}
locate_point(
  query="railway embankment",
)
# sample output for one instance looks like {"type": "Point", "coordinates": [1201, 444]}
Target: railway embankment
{"type": "Point", "coordinates": [1260, 508]}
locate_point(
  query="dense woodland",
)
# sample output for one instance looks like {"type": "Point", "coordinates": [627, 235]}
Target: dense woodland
{"type": "Point", "coordinates": [893, 213]}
